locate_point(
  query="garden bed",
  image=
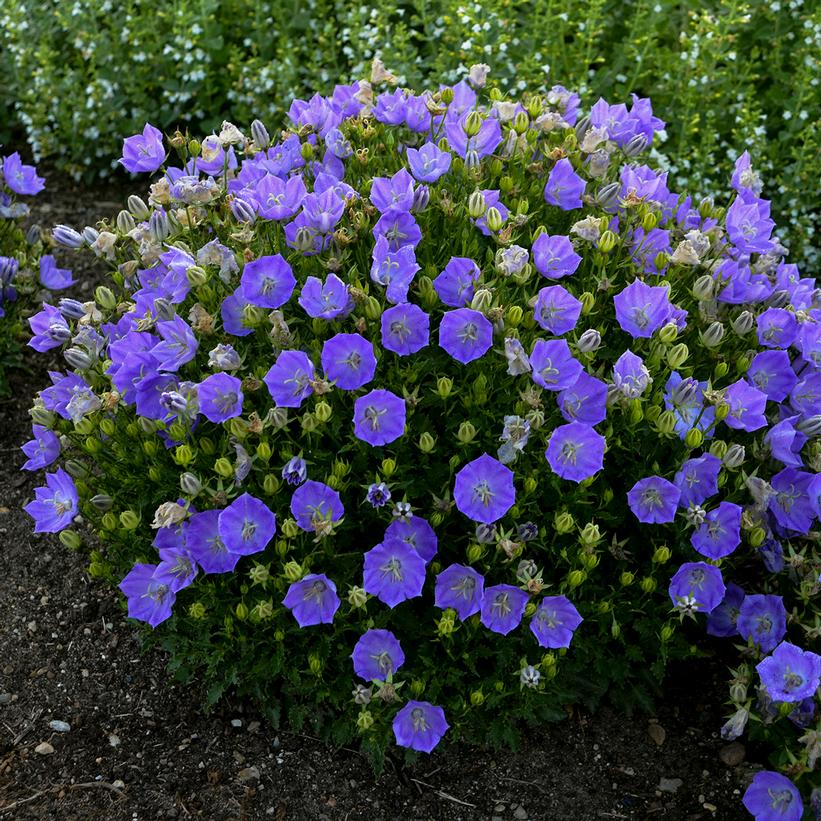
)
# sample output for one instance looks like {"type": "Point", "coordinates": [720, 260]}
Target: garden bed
{"type": "Point", "coordinates": [139, 747]}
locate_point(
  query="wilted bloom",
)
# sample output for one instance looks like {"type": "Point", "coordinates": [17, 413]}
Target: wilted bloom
{"type": "Point", "coordinates": [654, 500]}
{"type": "Point", "coordinates": [554, 366]}
{"type": "Point", "coordinates": [224, 358]}
{"type": "Point", "coordinates": [642, 309]}
{"type": "Point", "coordinates": [484, 489]}
{"type": "Point", "coordinates": [419, 725]}
{"type": "Point", "coordinates": [697, 586]}
{"type": "Point", "coordinates": [790, 673]}
{"type": "Point", "coordinates": [143, 152]}
{"type": "Point", "coordinates": [764, 619]}
{"type": "Point", "coordinates": [289, 379]}
{"type": "Point", "coordinates": [379, 417]}
{"type": "Point", "coordinates": [393, 572]}
{"type": "Point", "coordinates": [698, 479]}
{"type": "Point", "coordinates": [460, 588]}
{"type": "Point", "coordinates": [268, 281]}
{"type": "Point", "coordinates": [720, 534]}
{"type": "Point", "coordinates": [630, 375]}
{"type": "Point", "coordinates": [314, 505]}
{"type": "Point", "coordinates": [514, 436]}
{"type": "Point", "coordinates": [773, 797]}
{"type": "Point", "coordinates": [465, 334]}
{"type": "Point", "coordinates": [428, 163]}
{"type": "Point", "coordinates": [348, 360]}
{"type": "Point", "coordinates": [377, 655]}
{"type": "Point", "coordinates": [554, 256]}
{"type": "Point", "coordinates": [554, 622]}
{"type": "Point", "coordinates": [295, 471]}
{"type": "Point", "coordinates": [575, 451]}
{"type": "Point", "coordinates": [734, 727]}
{"type": "Point", "coordinates": [149, 598]}
{"type": "Point", "coordinates": [405, 329]}
{"type": "Point", "coordinates": [416, 532]}
{"type": "Point", "coordinates": [564, 187]}
{"type": "Point", "coordinates": [378, 494]}
{"type": "Point", "coordinates": [55, 505]}
{"type": "Point", "coordinates": [247, 525]}
{"type": "Point", "coordinates": [503, 606]}
{"type": "Point", "coordinates": [556, 310]}
{"type": "Point", "coordinates": [220, 397]}
{"type": "Point", "coordinates": [312, 600]}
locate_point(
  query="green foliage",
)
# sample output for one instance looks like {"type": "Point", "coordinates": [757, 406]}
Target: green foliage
{"type": "Point", "coordinates": [729, 76]}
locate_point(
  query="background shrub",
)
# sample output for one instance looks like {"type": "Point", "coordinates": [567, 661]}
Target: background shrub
{"type": "Point", "coordinates": [728, 76]}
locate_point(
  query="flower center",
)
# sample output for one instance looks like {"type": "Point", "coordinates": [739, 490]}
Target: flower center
{"type": "Point", "coordinates": [392, 568]}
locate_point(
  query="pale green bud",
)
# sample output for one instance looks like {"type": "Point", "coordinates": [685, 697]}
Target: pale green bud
{"type": "Point", "coordinates": [626, 578]}
{"type": "Point", "coordinates": [444, 386]}
{"type": "Point", "coordinates": [713, 335]}
{"type": "Point", "coordinates": [661, 555]}
{"type": "Point", "coordinates": [649, 221]}
{"type": "Point", "coordinates": [293, 571]}
{"type": "Point", "coordinates": [466, 432]}
{"type": "Point", "coordinates": [473, 123]}
{"type": "Point", "coordinates": [197, 611]}
{"type": "Point", "coordinates": [373, 310]}
{"type": "Point", "coordinates": [183, 455]}
{"type": "Point", "coordinates": [475, 553]}
{"type": "Point", "coordinates": [190, 484]}
{"type": "Point", "coordinates": [476, 204]}
{"type": "Point", "coordinates": [241, 611]}
{"type": "Point", "coordinates": [607, 242]}
{"type": "Point", "coordinates": [482, 300]}
{"type": "Point", "coordinates": [223, 467]}
{"type": "Point", "coordinates": [102, 502]}
{"type": "Point", "coordinates": [477, 698]}
{"type": "Point", "coordinates": [314, 661]}
{"type": "Point", "coordinates": [426, 443]}
{"type": "Point", "coordinates": [576, 577]}
{"type": "Point", "coordinates": [563, 522]}
{"type": "Point", "coordinates": [693, 438]}
{"type": "Point", "coordinates": [70, 539]}
{"type": "Point", "coordinates": [290, 528]}
{"type": "Point", "coordinates": [668, 333]}
{"type": "Point", "coordinates": [648, 584]}
{"type": "Point", "coordinates": [588, 301]}
{"type": "Point", "coordinates": [704, 287]}
{"type": "Point", "coordinates": [357, 597]}
{"type": "Point", "coordinates": [263, 610]}
{"type": "Point", "coordinates": [514, 315]}
{"type": "Point", "coordinates": [105, 298]}
{"type": "Point", "coordinates": [129, 520]}
{"type": "Point", "coordinates": [494, 219]}
{"type": "Point", "coordinates": [323, 411]}
{"type": "Point", "coordinates": [196, 276]}
{"type": "Point", "coordinates": [590, 535]}
{"type": "Point", "coordinates": [667, 632]}
{"type": "Point", "coordinates": [677, 355]}
{"type": "Point", "coordinates": [364, 721]}
{"type": "Point", "coordinates": [264, 451]}
{"type": "Point", "coordinates": [666, 423]}
{"type": "Point", "coordinates": [259, 574]}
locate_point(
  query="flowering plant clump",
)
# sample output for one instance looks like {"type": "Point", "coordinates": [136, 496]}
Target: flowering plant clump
{"type": "Point", "coordinates": [25, 271]}
{"type": "Point", "coordinates": [441, 411]}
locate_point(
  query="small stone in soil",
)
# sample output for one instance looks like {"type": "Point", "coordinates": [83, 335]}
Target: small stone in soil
{"type": "Point", "coordinates": [236, 723]}
{"type": "Point", "coordinates": [520, 813]}
{"type": "Point", "coordinates": [670, 784]}
{"type": "Point", "coordinates": [732, 754]}
{"type": "Point", "coordinates": [248, 774]}
{"type": "Point", "coordinates": [60, 726]}
{"type": "Point", "coordinates": [5, 698]}
{"type": "Point", "coordinates": [44, 748]}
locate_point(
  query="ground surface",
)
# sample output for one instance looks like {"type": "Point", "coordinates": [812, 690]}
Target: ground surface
{"type": "Point", "coordinates": [140, 748]}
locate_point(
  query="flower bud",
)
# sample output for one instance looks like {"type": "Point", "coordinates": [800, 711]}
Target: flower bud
{"type": "Point", "coordinates": [373, 310]}
{"type": "Point", "coordinates": [282, 547]}
{"type": "Point", "coordinates": [107, 426]}
{"type": "Point", "coordinates": [666, 423]}
{"type": "Point", "coordinates": [183, 455]}
{"type": "Point", "coordinates": [693, 438]}
{"type": "Point", "coordinates": [323, 411]}
{"type": "Point", "coordinates": [660, 260]}
{"type": "Point", "coordinates": [588, 300]}
{"type": "Point", "coordinates": [473, 123]}
{"type": "Point", "coordinates": [259, 574]}
{"type": "Point", "coordinates": [757, 536]}
{"type": "Point", "coordinates": [667, 632]}
{"type": "Point", "coordinates": [129, 520]}
{"type": "Point", "coordinates": [530, 484]}
{"type": "Point", "coordinates": [477, 698]}
{"type": "Point", "coordinates": [476, 205]}
{"type": "Point", "coordinates": [427, 443]}
{"type": "Point", "coordinates": [648, 584]}
{"type": "Point", "coordinates": [41, 416]}
{"type": "Point", "coordinates": [241, 611]}
{"type": "Point", "coordinates": [576, 577]}
{"type": "Point", "coordinates": [482, 300]}
{"type": "Point", "coordinates": [138, 208]}
{"type": "Point", "coordinates": [85, 426]}
{"type": "Point", "coordinates": [67, 237]}
{"type": "Point", "coordinates": [608, 195]}
{"type": "Point", "coordinates": [78, 358]}
{"type": "Point", "coordinates": [196, 276]}
{"type": "Point", "coordinates": [677, 355]}
{"type": "Point", "coordinates": [109, 521]}
{"type": "Point", "coordinates": [223, 467]}
{"type": "Point", "coordinates": [738, 692]}
{"type": "Point", "coordinates": [721, 370]}
{"type": "Point", "coordinates": [70, 539]}
{"type": "Point", "coordinates": [563, 522]}
{"type": "Point", "coordinates": [734, 456]}
{"type": "Point", "coordinates": [743, 323]}
{"type": "Point", "coordinates": [304, 239]}
{"type": "Point", "coordinates": [475, 553]}
{"type": "Point", "coordinates": [90, 234]}
{"type": "Point", "coordinates": [590, 535]}
{"type": "Point", "coordinates": [626, 578]}
{"type": "Point", "coordinates": [514, 315]}
{"type": "Point", "coordinates": [661, 555]}
{"type": "Point", "coordinates": [607, 242]}
{"type": "Point", "coordinates": [494, 219]}
{"type": "Point", "coordinates": [260, 136]}
{"type": "Point", "coordinates": [364, 721]}
{"type": "Point", "coordinates": [264, 451]}
{"type": "Point", "coordinates": [581, 127]}
{"type": "Point", "coordinates": [102, 502]}
{"type": "Point", "coordinates": [810, 426]}
{"type": "Point", "coordinates": [290, 528]}
{"type": "Point", "coordinates": [713, 335]}
{"type": "Point", "coordinates": [649, 221]}
{"type": "Point", "coordinates": [307, 151]}
{"type": "Point", "coordinates": [466, 432]}
{"type": "Point", "coordinates": [388, 468]}
{"type": "Point", "coordinates": [704, 287]}
{"type": "Point", "coordinates": [357, 597]}
{"type": "Point", "coordinates": [105, 298]}
{"type": "Point", "coordinates": [125, 222]}
{"type": "Point", "coordinates": [314, 661]}
{"type": "Point", "coordinates": [293, 571]}
{"type": "Point", "coordinates": [669, 333]}
{"type": "Point", "coordinates": [158, 225]}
